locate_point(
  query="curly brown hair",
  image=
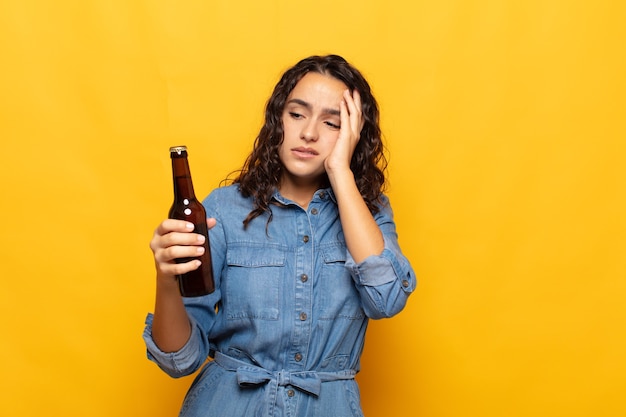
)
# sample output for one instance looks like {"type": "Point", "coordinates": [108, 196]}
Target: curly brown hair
{"type": "Point", "coordinates": [262, 171]}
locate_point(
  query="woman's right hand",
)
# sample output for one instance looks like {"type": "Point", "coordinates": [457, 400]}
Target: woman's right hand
{"type": "Point", "coordinates": [175, 239]}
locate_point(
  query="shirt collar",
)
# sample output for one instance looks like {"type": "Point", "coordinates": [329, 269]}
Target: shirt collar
{"type": "Point", "coordinates": [323, 194]}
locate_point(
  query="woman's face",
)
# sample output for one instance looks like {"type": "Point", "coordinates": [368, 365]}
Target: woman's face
{"type": "Point", "coordinates": [311, 122]}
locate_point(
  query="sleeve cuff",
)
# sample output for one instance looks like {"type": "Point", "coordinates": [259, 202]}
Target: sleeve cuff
{"type": "Point", "coordinates": [377, 270]}
{"type": "Point", "coordinates": [175, 364]}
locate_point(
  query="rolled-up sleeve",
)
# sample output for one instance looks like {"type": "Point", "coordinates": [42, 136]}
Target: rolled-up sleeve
{"type": "Point", "coordinates": [384, 281]}
{"type": "Point", "coordinates": [184, 361]}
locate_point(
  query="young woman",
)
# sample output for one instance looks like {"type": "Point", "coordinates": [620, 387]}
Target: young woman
{"type": "Point", "coordinates": [304, 251]}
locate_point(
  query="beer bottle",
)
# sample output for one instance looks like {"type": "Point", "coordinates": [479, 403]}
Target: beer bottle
{"type": "Point", "coordinates": [186, 207]}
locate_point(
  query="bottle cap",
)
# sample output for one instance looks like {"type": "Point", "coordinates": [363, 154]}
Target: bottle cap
{"type": "Point", "coordinates": [178, 149]}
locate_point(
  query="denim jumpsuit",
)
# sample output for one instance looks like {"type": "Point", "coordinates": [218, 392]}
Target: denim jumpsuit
{"type": "Point", "coordinates": [286, 324]}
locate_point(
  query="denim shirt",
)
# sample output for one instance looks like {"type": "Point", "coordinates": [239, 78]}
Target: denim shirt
{"type": "Point", "coordinates": [286, 323]}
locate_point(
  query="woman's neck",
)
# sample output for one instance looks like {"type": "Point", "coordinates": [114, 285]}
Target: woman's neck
{"type": "Point", "coordinates": [300, 192]}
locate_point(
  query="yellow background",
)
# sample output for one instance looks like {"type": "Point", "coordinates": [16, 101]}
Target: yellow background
{"type": "Point", "coordinates": [505, 123]}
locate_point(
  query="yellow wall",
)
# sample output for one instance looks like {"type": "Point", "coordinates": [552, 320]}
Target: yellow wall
{"type": "Point", "coordinates": [505, 122]}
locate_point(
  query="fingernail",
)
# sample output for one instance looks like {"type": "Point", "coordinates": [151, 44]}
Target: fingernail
{"type": "Point", "coordinates": [201, 238]}
{"type": "Point", "coordinates": [189, 226]}
{"type": "Point", "coordinates": [200, 250]}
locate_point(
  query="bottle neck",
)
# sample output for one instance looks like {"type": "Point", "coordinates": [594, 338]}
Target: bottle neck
{"type": "Point", "coordinates": [183, 185]}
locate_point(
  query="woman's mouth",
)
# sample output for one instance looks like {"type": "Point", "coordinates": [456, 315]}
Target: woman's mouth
{"type": "Point", "coordinates": [303, 152]}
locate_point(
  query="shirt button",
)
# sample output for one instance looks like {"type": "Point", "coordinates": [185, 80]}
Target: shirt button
{"type": "Point", "coordinates": [304, 278]}
{"type": "Point", "coordinates": [405, 283]}
{"type": "Point", "coordinates": [323, 195]}
{"type": "Point", "coordinates": [303, 316]}
{"type": "Point", "coordinates": [298, 357]}
{"type": "Point", "coordinates": [313, 211]}
{"type": "Point", "coordinates": [291, 393]}
{"type": "Point", "coordinates": [305, 239]}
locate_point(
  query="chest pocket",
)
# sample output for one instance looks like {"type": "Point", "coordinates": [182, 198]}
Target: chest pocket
{"type": "Point", "coordinates": [251, 282]}
{"type": "Point", "coordinates": [338, 294]}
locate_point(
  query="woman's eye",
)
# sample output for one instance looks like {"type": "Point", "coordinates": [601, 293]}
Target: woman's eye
{"type": "Point", "coordinates": [295, 115]}
{"type": "Point", "coordinates": [333, 125]}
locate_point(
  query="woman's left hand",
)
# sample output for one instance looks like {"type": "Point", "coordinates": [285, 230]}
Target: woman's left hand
{"type": "Point", "coordinates": [349, 133]}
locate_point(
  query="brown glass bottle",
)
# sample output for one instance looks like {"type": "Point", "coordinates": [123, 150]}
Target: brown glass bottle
{"type": "Point", "coordinates": [186, 207]}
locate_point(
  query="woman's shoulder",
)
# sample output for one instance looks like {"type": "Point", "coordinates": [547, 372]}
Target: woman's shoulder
{"type": "Point", "coordinates": [227, 196]}
{"type": "Point", "coordinates": [383, 202]}
{"type": "Point", "coordinates": [226, 191]}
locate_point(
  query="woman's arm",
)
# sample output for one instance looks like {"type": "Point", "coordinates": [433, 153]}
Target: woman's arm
{"type": "Point", "coordinates": [363, 236]}
{"type": "Point", "coordinates": [173, 239]}
{"type": "Point", "coordinates": [386, 281]}
{"type": "Point", "coordinates": [383, 276]}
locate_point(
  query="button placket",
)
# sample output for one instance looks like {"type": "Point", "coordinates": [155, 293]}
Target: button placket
{"type": "Point", "coordinates": [302, 302]}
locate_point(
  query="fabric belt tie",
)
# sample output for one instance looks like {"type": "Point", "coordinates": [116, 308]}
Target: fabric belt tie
{"type": "Point", "coordinates": [309, 382]}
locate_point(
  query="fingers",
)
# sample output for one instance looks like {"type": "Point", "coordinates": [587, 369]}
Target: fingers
{"type": "Point", "coordinates": [169, 270]}
{"type": "Point", "coordinates": [174, 232]}
{"type": "Point", "coordinates": [172, 240]}
{"type": "Point", "coordinates": [344, 115]}
{"type": "Point", "coordinates": [352, 103]}
{"type": "Point", "coordinates": [180, 226]}
{"type": "Point", "coordinates": [349, 133]}
{"type": "Point", "coordinates": [173, 225]}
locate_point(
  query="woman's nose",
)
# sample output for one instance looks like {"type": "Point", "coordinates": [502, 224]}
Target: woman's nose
{"type": "Point", "coordinates": [309, 132]}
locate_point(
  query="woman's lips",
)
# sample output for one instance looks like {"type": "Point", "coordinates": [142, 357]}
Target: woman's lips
{"type": "Point", "coordinates": [304, 152]}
